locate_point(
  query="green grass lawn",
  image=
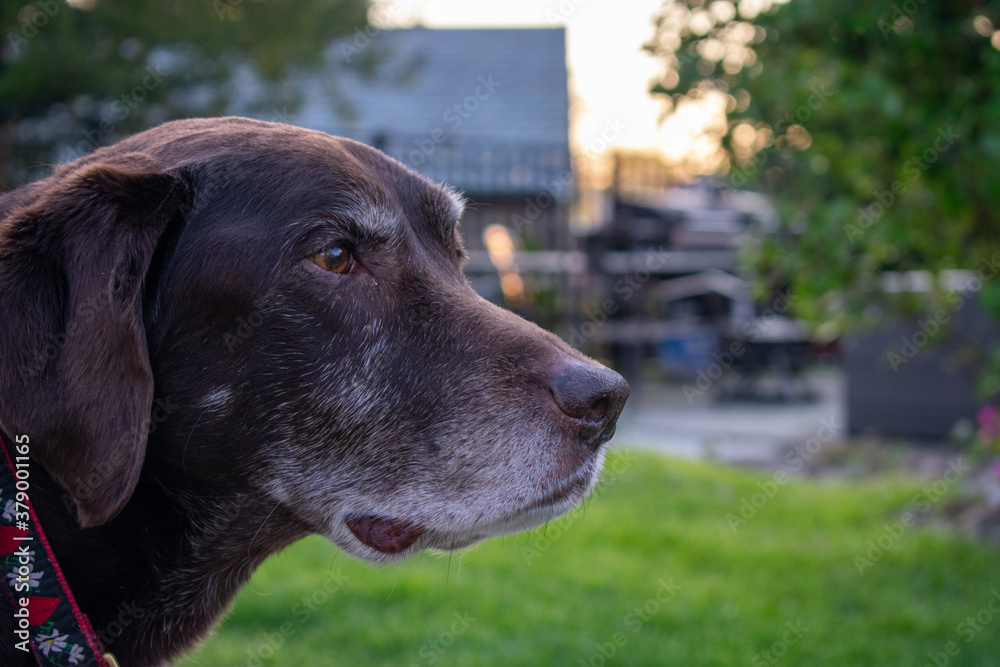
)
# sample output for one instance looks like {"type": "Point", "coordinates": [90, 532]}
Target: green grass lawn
{"type": "Point", "coordinates": [649, 572]}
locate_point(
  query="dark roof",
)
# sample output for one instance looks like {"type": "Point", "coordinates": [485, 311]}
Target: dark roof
{"type": "Point", "coordinates": [424, 72]}
{"type": "Point", "coordinates": [513, 138]}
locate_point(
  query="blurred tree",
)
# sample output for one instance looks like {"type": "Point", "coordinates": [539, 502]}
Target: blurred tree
{"type": "Point", "coordinates": [76, 74]}
{"type": "Point", "coordinates": [876, 127]}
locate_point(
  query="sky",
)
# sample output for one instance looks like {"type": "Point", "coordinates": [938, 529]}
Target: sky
{"type": "Point", "coordinates": [609, 73]}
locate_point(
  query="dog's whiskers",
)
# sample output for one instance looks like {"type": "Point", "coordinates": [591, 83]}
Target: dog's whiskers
{"type": "Point", "coordinates": [447, 579]}
{"type": "Point", "coordinates": [188, 441]}
{"type": "Point", "coordinates": [250, 546]}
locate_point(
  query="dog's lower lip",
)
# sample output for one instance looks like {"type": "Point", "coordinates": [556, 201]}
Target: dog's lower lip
{"type": "Point", "coordinates": [386, 535]}
{"type": "Point", "coordinates": [564, 491]}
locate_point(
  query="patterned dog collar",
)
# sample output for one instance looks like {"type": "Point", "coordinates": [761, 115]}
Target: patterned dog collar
{"type": "Point", "coordinates": [49, 622]}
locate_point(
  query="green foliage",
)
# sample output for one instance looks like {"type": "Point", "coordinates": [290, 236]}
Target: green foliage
{"type": "Point", "coordinates": [560, 594]}
{"type": "Point", "coordinates": [876, 126]}
{"type": "Point", "coordinates": [85, 73]}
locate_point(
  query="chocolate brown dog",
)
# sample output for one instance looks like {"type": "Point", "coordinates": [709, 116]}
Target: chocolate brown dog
{"type": "Point", "coordinates": [223, 335]}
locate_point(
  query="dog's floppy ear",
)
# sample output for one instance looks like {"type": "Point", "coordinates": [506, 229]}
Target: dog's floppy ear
{"type": "Point", "coordinates": [74, 366]}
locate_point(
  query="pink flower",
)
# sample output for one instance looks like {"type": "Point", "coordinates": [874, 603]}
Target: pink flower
{"type": "Point", "coordinates": [989, 424]}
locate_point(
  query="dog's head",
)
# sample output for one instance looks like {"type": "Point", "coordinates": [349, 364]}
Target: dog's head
{"type": "Point", "coordinates": [295, 305]}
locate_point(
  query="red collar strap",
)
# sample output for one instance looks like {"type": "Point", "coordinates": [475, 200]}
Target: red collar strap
{"type": "Point", "coordinates": [49, 622]}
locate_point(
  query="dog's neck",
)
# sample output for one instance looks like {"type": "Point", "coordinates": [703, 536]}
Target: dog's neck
{"type": "Point", "coordinates": [150, 598]}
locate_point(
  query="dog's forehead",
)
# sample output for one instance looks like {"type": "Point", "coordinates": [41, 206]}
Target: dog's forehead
{"type": "Point", "coordinates": [445, 203]}
{"type": "Point", "coordinates": [281, 168]}
{"type": "Point", "coordinates": [388, 190]}
{"type": "Point", "coordinates": [378, 209]}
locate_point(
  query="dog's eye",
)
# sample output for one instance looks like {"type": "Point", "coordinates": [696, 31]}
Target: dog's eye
{"type": "Point", "coordinates": [336, 259]}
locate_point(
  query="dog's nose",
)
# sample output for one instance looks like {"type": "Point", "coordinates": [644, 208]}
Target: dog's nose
{"type": "Point", "coordinates": [594, 396]}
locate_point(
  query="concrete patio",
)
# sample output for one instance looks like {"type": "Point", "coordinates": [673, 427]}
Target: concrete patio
{"type": "Point", "coordinates": [659, 417]}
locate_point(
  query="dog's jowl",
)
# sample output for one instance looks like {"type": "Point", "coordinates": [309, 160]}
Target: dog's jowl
{"type": "Point", "coordinates": [220, 336]}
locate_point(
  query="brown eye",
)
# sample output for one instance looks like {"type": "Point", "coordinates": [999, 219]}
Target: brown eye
{"type": "Point", "coordinates": [335, 259]}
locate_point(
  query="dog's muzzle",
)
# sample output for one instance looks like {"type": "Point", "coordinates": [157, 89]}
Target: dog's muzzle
{"type": "Point", "coordinates": [593, 396]}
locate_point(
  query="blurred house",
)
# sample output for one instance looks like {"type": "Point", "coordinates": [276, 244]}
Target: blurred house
{"type": "Point", "coordinates": [671, 254]}
{"type": "Point", "coordinates": [916, 377]}
{"type": "Point", "coordinates": [485, 111]}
